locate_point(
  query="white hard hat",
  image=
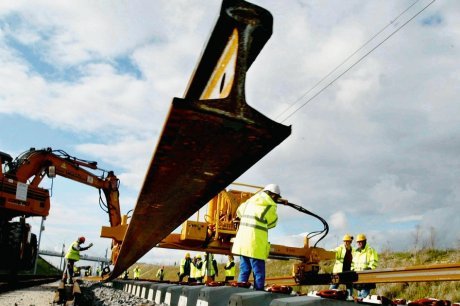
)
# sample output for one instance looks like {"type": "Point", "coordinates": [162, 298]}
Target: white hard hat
{"type": "Point", "coordinates": [273, 188]}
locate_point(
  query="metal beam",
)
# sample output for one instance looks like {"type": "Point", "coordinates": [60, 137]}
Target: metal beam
{"type": "Point", "coordinates": [211, 136]}
{"type": "Point", "coordinates": [82, 256]}
{"type": "Point", "coordinates": [425, 273]}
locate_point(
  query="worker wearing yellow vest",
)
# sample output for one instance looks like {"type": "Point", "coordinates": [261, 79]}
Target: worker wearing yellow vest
{"type": "Point", "coordinates": [196, 269]}
{"type": "Point", "coordinates": [98, 271]}
{"type": "Point", "coordinates": [161, 274]}
{"type": "Point", "coordinates": [184, 269]}
{"type": "Point", "coordinates": [209, 269]}
{"type": "Point", "coordinates": [230, 269]}
{"type": "Point", "coordinates": [364, 258]}
{"type": "Point", "coordinates": [257, 215]}
{"type": "Point", "coordinates": [136, 272]}
{"type": "Point", "coordinates": [72, 256]}
{"type": "Point", "coordinates": [343, 259]}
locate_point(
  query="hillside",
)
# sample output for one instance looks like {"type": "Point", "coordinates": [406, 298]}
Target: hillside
{"type": "Point", "coordinates": [44, 268]}
{"type": "Point", "coordinates": [409, 291]}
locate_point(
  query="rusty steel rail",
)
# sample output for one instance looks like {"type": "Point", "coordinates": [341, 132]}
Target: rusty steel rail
{"type": "Point", "coordinates": [423, 273]}
{"type": "Point", "coordinates": [15, 282]}
{"type": "Point", "coordinates": [211, 136]}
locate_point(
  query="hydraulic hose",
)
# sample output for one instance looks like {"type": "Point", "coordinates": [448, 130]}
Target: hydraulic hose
{"type": "Point", "coordinates": [325, 229]}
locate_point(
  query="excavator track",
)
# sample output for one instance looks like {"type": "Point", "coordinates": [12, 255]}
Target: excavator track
{"type": "Point", "coordinates": [211, 136]}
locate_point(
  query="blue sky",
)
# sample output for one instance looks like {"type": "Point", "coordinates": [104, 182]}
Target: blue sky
{"type": "Point", "coordinates": [375, 152]}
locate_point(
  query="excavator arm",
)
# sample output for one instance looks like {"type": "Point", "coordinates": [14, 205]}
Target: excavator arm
{"type": "Point", "coordinates": [30, 168]}
{"type": "Point", "coordinates": [33, 165]}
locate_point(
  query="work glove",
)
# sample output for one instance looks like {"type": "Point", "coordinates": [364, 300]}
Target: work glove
{"type": "Point", "coordinates": [90, 245]}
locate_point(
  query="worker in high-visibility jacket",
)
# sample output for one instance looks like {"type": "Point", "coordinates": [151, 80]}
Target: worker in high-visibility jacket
{"type": "Point", "coordinates": [184, 269]}
{"type": "Point", "coordinates": [343, 259]}
{"type": "Point", "coordinates": [161, 273]}
{"type": "Point", "coordinates": [136, 272]}
{"type": "Point", "coordinates": [364, 258]}
{"type": "Point", "coordinates": [209, 269]}
{"type": "Point", "coordinates": [196, 266]}
{"type": "Point", "coordinates": [230, 269]}
{"type": "Point", "coordinates": [257, 215]}
{"type": "Point", "coordinates": [72, 256]}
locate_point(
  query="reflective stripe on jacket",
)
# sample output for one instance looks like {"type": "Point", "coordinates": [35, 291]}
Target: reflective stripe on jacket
{"type": "Point", "coordinates": [366, 259]}
{"type": "Point", "coordinates": [73, 252]}
{"type": "Point", "coordinates": [340, 252]}
{"type": "Point", "coordinates": [230, 268]}
{"type": "Point", "coordinates": [257, 215]}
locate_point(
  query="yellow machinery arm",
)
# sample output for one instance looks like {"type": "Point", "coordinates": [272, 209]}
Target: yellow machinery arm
{"type": "Point", "coordinates": [214, 234]}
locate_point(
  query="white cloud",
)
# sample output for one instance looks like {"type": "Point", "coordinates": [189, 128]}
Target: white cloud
{"type": "Point", "coordinates": [338, 221]}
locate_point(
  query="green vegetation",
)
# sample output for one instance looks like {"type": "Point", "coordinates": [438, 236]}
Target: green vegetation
{"type": "Point", "coordinates": [43, 268]}
{"type": "Point", "coordinates": [409, 291]}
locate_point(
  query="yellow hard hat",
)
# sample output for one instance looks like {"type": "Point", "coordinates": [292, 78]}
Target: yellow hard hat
{"type": "Point", "coordinates": [187, 255]}
{"type": "Point", "coordinates": [361, 237]}
{"type": "Point", "coordinates": [347, 237]}
{"type": "Point", "coordinates": [198, 256]}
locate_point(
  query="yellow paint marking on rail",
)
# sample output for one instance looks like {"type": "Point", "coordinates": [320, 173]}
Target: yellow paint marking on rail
{"type": "Point", "coordinates": [225, 67]}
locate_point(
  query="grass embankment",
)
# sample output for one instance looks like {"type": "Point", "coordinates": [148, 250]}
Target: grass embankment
{"type": "Point", "coordinates": [409, 291]}
{"type": "Point", "coordinates": [43, 268]}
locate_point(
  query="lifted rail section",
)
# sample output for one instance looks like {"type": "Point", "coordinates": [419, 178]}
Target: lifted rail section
{"type": "Point", "coordinates": [211, 136]}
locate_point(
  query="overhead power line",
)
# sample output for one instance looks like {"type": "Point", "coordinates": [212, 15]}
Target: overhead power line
{"type": "Point", "coordinates": [355, 63]}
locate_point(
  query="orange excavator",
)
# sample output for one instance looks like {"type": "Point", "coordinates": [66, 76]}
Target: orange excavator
{"type": "Point", "coordinates": [22, 197]}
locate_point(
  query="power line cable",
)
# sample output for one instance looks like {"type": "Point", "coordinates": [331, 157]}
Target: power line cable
{"type": "Point", "coordinates": [355, 63]}
{"type": "Point", "coordinates": [345, 60]}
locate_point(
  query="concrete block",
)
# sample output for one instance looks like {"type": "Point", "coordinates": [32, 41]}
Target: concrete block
{"type": "Point", "coordinates": [217, 296]}
{"type": "Point", "coordinates": [254, 298]}
{"type": "Point", "coordinates": [161, 292]}
{"type": "Point", "coordinates": [119, 285]}
{"type": "Point", "coordinates": [142, 288]}
{"type": "Point", "coordinates": [151, 292]}
{"type": "Point", "coordinates": [189, 295]}
{"type": "Point", "coordinates": [308, 300]}
{"type": "Point", "coordinates": [172, 295]}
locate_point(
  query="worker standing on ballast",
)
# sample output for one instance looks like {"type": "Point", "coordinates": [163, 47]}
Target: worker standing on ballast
{"type": "Point", "coordinates": [364, 258]}
{"type": "Point", "coordinates": [137, 272]}
{"type": "Point", "coordinates": [209, 269]}
{"type": "Point", "coordinates": [230, 269]}
{"type": "Point", "coordinates": [72, 256]}
{"type": "Point", "coordinates": [343, 259]}
{"type": "Point", "coordinates": [185, 267]}
{"type": "Point", "coordinates": [161, 273]}
{"type": "Point", "coordinates": [257, 215]}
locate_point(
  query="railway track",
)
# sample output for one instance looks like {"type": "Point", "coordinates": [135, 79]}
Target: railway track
{"type": "Point", "coordinates": [15, 282]}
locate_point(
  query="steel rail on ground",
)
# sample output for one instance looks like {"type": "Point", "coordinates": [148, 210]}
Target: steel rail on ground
{"type": "Point", "coordinates": [422, 273]}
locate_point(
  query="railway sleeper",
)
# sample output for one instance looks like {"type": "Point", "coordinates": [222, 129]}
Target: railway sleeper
{"type": "Point", "coordinates": [68, 294]}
